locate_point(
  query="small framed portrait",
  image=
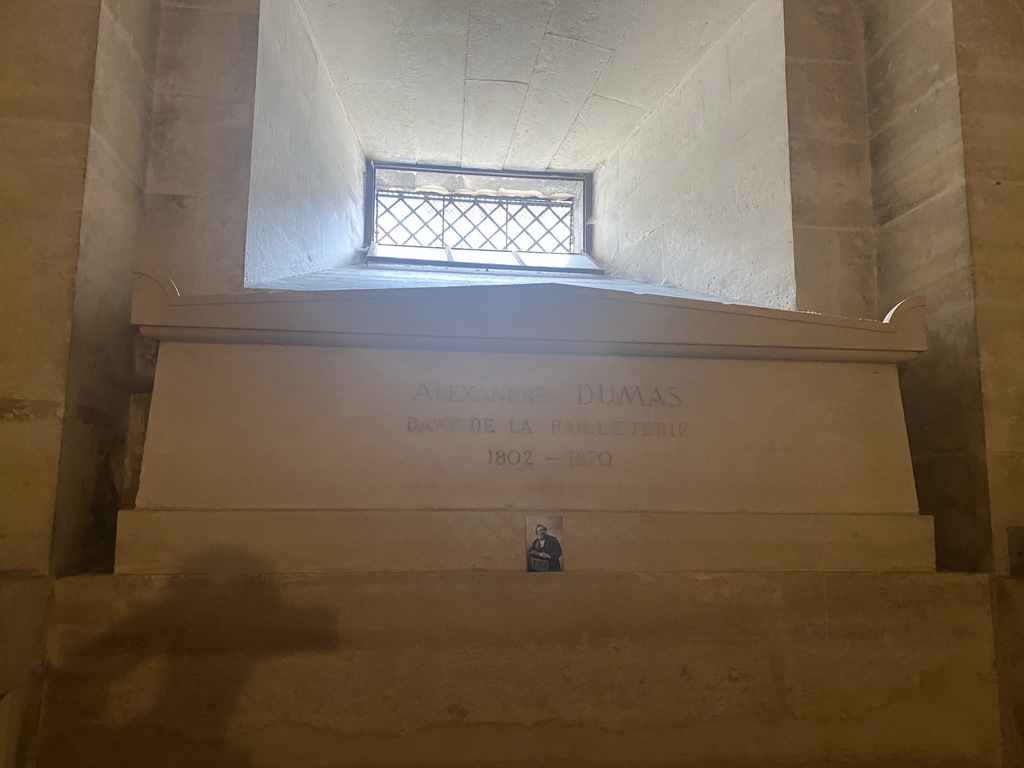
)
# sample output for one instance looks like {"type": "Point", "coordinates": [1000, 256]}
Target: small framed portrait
{"type": "Point", "coordinates": [544, 544]}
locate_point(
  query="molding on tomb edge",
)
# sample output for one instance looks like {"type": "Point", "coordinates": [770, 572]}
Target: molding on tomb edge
{"type": "Point", "coordinates": [555, 317]}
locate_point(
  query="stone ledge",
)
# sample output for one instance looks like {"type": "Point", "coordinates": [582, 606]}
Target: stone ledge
{"type": "Point", "coordinates": [338, 541]}
{"type": "Point", "coordinates": [474, 669]}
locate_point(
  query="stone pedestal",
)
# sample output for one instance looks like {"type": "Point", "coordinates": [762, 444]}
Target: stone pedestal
{"type": "Point", "coordinates": [494, 669]}
{"type": "Point", "coordinates": [327, 565]}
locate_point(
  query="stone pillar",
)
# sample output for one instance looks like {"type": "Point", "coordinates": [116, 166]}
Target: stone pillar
{"type": "Point", "coordinates": [75, 97]}
{"type": "Point", "coordinates": [199, 168]}
{"type": "Point", "coordinates": [989, 38]}
{"type": "Point", "coordinates": [833, 226]}
{"type": "Point", "coordinates": [47, 61]}
{"type": "Point", "coordinates": [880, 213]}
{"type": "Point", "coordinates": [990, 71]}
{"type": "Point", "coordinates": [100, 377]}
{"type": "Point", "coordinates": [924, 248]}
{"type": "Point", "coordinates": [48, 55]}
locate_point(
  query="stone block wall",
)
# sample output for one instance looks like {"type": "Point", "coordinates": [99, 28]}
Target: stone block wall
{"type": "Point", "coordinates": [1008, 607]}
{"type": "Point", "coordinates": [699, 196]}
{"type": "Point", "coordinates": [833, 224]}
{"type": "Point", "coordinates": [197, 180]}
{"type": "Point", "coordinates": [75, 96]}
{"type": "Point", "coordinates": [516, 669]}
{"type": "Point", "coordinates": [24, 603]}
{"type": "Point", "coordinates": [990, 67]}
{"type": "Point", "coordinates": [101, 377]}
{"type": "Point", "coordinates": [924, 248]}
{"type": "Point", "coordinates": [306, 188]}
{"type": "Point", "coordinates": [47, 66]}
{"type": "Point", "coordinates": [47, 63]}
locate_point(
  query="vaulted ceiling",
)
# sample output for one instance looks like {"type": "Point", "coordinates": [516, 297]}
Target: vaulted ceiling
{"type": "Point", "coordinates": [515, 84]}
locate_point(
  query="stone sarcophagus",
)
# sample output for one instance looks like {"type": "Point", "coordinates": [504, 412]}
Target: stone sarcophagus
{"type": "Point", "coordinates": [409, 427]}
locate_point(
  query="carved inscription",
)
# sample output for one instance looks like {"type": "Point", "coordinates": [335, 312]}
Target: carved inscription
{"type": "Point", "coordinates": [627, 394]}
{"type": "Point", "coordinates": [618, 428]}
{"type": "Point", "coordinates": [471, 393]}
{"type": "Point", "coordinates": [616, 412]}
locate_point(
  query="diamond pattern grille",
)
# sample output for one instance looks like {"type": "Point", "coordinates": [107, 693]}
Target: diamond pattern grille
{"type": "Point", "coordinates": [479, 223]}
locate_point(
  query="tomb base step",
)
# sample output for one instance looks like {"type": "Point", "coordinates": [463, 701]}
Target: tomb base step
{"type": "Point", "coordinates": [333, 541]}
{"type": "Point", "coordinates": [498, 669]}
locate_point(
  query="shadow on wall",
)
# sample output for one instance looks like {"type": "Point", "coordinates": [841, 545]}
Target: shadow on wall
{"type": "Point", "coordinates": [160, 687]}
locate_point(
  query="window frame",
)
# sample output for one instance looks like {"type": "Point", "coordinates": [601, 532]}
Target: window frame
{"type": "Point", "coordinates": [370, 207]}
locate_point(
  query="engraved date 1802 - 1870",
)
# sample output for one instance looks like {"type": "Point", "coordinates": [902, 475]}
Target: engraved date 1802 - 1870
{"type": "Point", "coordinates": [516, 458]}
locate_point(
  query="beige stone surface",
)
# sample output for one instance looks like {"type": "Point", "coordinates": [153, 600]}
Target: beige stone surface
{"type": "Point", "coordinates": [1009, 611]}
{"type": "Point", "coordinates": [23, 606]}
{"type": "Point", "coordinates": [831, 182]}
{"type": "Point", "coordinates": [180, 226]}
{"type": "Point", "coordinates": [833, 243]}
{"type": "Point", "coordinates": [100, 378]}
{"type": "Point", "coordinates": [306, 179]}
{"type": "Point", "coordinates": [47, 63]}
{"type": "Point", "coordinates": [917, 147]}
{"type": "Point", "coordinates": [825, 32]}
{"type": "Point", "coordinates": [990, 118]}
{"type": "Point", "coordinates": [252, 427]}
{"type": "Point", "coordinates": [23, 603]}
{"type": "Point", "coordinates": [917, 159]}
{"type": "Point", "coordinates": [201, 146]}
{"type": "Point", "coordinates": [838, 273]}
{"type": "Point", "coordinates": [827, 99]}
{"type": "Point", "coordinates": [333, 541]}
{"type": "Point", "coordinates": [29, 452]}
{"type": "Point", "coordinates": [924, 245]}
{"type": "Point", "coordinates": [883, 20]}
{"type": "Point", "coordinates": [490, 669]}
{"type": "Point", "coordinates": [47, 69]}
{"type": "Point", "coordinates": [48, 56]}
{"type": "Point", "coordinates": [990, 61]}
{"type": "Point", "coordinates": [567, 69]}
{"type": "Point", "coordinates": [38, 290]}
{"type": "Point", "coordinates": [928, 249]}
{"type": "Point", "coordinates": [579, 76]}
{"type": "Point", "coordinates": [916, 62]}
{"type": "Point", "coordinates": [21, 641]}
{"type": "Point", "coordinates": [41, 190]}
{"type": "Point", "coordinates": [123, 91]}
{"type": "Point", "coordinates": [699, 195]}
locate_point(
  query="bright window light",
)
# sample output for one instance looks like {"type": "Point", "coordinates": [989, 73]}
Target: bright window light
{"type": "Point", "coordinates": [454, 218]}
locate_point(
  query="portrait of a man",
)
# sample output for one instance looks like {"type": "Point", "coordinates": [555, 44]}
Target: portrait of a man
{"type": "Point", "coordinates": [544, 554]}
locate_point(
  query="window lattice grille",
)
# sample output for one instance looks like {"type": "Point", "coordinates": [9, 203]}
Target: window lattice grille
{"type": "Point", "coordinates": [476, 222]}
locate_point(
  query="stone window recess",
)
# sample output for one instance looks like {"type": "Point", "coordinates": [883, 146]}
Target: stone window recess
{"type": "Point", "coordinates": [455, 218]}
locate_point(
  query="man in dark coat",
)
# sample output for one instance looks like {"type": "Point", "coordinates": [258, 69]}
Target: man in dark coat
{"type": "Point", "coordinates": [545, 554]}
